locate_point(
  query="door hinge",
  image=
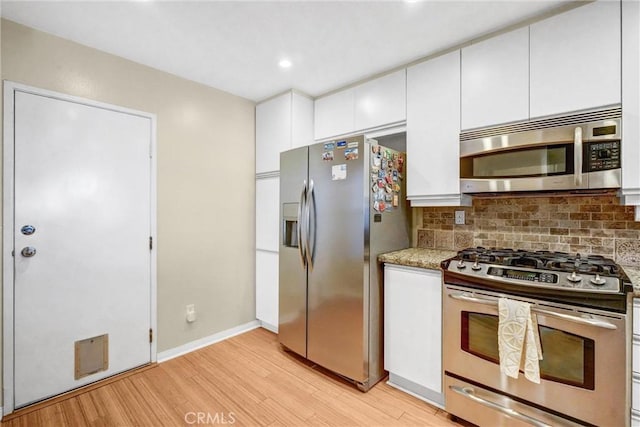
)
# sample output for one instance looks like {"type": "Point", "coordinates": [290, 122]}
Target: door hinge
{"type": "Point", "coordinates": [150, 335]}
{"type": "Point", "coordinates": [150, 243]}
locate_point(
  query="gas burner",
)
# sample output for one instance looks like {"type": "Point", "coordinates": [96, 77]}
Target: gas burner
{"type": "Point", "coordinates": [526, 260]}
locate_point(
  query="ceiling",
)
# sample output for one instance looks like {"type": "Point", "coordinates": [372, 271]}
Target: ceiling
{"type": "Point", "coordinates": [235, 46]}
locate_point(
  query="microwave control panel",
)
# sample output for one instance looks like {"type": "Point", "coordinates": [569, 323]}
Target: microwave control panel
{"type": "Point", "coordinates": [602, 156]}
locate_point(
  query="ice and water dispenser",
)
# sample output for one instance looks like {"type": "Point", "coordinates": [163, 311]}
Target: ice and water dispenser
{"type": "Point", "coordinates": [290, 226]}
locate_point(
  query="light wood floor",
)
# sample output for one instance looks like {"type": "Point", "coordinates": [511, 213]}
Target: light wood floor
{"type": "Point", "coordinates": [245, 381]}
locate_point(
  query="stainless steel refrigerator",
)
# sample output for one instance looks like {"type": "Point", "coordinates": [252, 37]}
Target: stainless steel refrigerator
{"type": "Point", "coordinates": [341, 204]}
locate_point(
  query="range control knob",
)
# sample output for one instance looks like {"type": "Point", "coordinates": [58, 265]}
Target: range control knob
{"type": "Point", "coordinates": [597, 280]}
{"type": "Point", "coordinates": [574, 277]}
{"type": "Point", "coordinates": [461, 265]}
{"type": "Point", "coordinates": [476, 266]}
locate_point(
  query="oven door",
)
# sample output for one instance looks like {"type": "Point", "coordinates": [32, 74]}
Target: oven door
{"type": "Point", "coordinates": [584, 366]}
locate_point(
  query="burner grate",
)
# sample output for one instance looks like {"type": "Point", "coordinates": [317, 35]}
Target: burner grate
{"type": "Point", "coordinates": [550, 260]}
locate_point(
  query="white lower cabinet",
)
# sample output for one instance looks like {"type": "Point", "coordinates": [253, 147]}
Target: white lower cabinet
{"type": "Point", "coordinates": [635, 365]}
{"type": "Point", "coordinates": [413, 331]}
{"type": "Point", "coordinates": [267, 289]}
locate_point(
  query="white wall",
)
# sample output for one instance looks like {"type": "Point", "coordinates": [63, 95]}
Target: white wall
{"type": "Point", "coordinates": [206, 182]}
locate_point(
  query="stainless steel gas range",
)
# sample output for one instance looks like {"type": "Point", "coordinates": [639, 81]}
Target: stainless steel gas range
{"type": "Point", "coordinates": [583, 310]}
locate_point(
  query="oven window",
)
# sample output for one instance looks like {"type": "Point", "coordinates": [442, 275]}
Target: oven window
{"type": "Point", "coordinates": [567, 358]}
{"type": "Point", "coordinates": [528, 162]}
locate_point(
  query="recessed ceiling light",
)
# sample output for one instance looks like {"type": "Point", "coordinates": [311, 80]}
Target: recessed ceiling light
{"type": "Point", "coordinates": [284, 63]}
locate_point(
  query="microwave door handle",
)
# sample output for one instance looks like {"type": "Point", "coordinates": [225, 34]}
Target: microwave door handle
{"type": "Point", "coordinates": [299, 227]}
{"type": "Point", "coordinates": [464, 296]}
{"type": "Point", "coordinates": [469, 393]}
{"type": "Point", "coordinates": [577, 155]}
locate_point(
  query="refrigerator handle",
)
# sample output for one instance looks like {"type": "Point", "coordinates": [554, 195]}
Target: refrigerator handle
{"type": "Point", "coordinates": [309, 242]}
{"type": "Point", "coordinates": [299, 228]}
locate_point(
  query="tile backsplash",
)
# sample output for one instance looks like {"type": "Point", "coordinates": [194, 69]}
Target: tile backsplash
{"type": "Point", "coordinates": [575, 224]}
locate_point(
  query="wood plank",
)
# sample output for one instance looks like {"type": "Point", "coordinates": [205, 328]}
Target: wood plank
{"type": "Point", "coordinates": [76, 392]}
{"type": "Point", "coordinates": [249, 377]}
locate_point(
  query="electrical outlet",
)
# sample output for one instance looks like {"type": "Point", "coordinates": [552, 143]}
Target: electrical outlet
{"type": "Point", "coordinates": [191, 313]}
{"type": "Point", "coordinates": [459, 217]}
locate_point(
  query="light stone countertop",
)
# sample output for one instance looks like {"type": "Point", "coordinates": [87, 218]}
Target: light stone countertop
{"type": "Point", "coordinates": [431, 259]}
{"type": "Point", "coordinates": [417, 257]}
{"type": "Point", "coordinates": [634, 275]}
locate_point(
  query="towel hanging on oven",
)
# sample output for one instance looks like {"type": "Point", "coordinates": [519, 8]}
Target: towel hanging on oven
{"type": "Point", "coordinates": [518, 328]}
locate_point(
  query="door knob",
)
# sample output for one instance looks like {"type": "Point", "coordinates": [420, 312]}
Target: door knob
{"type": "Point", "coordinates": [28, 251]}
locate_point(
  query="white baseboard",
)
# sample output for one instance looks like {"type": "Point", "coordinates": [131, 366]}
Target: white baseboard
{"type": "Point", "coordinates": [268, 326]}
{"type": "Point", "coordinates": [163, 356]}
{"type": "Point", "coordinates": [416, 390]}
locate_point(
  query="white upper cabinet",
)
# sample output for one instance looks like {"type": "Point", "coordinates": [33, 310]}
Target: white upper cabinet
{"type": "Point", "coordinates": [373, 104]}
{"type": "Point", "coordinates": [631, 104]}
{"type": "Point", "coordinates": [301, 120]}
{"type": "Point", "coordinates": [381, 101]}
{"type": "Point", "coordinates": [575, 59]}
{"type": "Point", "coordinates": [433, 128]}
{"type": "Point", "coordinates": [334, 114]}
{"type": "Point", "coordinates": [273, 132]}
{"type": "Point", "coordinates": [282, 123]}
{"type": "Point", "coordinates": [495, 80]}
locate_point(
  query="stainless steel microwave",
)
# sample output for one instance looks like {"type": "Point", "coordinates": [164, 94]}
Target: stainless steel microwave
{"type": "Point", "coordinates": [569, 152]}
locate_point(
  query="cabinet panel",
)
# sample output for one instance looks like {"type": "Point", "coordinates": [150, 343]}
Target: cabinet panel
{"type": "Point", "coordinates": [381, 101]}
{"type": "Point", "coordinates": [433, 129]}
{"type": "Point", "coordinates": [267, 213]}
{"type": "Point", "coordinates": [302, 120]}
{"type": "Point", "coordinates": [635, 352]}
{"type": "Point", "coordinates": [413, 324]}
{"type": "Point", "coordinates": [495, 80]}
{"type": "Point", "coordinates": [631, 102]}
{"type": "Point", "coordinates": [273, 132]}
{"type": "Point", "coordinates": [267, 288]}
{"type": "Point", "coordinates": [334, 114]}
{"type": "Point", "coordinates": [575, 59]}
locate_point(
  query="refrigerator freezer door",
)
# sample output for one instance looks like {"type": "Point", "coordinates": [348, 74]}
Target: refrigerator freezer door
{"type": "Point", "coordinates": [292, 328]}
{"type": "Point", "coordinates": [338, 275]}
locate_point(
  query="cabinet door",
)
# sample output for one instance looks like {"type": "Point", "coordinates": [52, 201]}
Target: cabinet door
{"type": "Point", "coordinates": [413, 325]}
{"type": "Point", "coordinates": [631, 103]}
{"type": "Point", "coordinates": [273, 132]}
{"type": "Point", "coordinates": [495, 80]}
{"type": "Point", "coordinates": [301, 120]}
{"type": "Point", "coordinates": [267, 214]}
{"type": "Point", "coordinates": [575, 59]}
{"type": "Point", "coordinates": [267, 289]}
{"type": "Point", "coordinates": [334, 114]}
{"type": "Point", "coordinates": [381, 101]}
{"type": "Point", "coordinates": [433, 129]}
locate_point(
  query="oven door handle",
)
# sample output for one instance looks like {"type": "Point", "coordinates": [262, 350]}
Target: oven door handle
{"type": "Point", "coordinates": [469, 393]}
{"type": "Point", "coordinates": [464, 296]}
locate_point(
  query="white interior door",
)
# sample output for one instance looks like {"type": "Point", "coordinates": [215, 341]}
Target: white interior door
{"type": "Point", "coordinates": [82, 180]}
